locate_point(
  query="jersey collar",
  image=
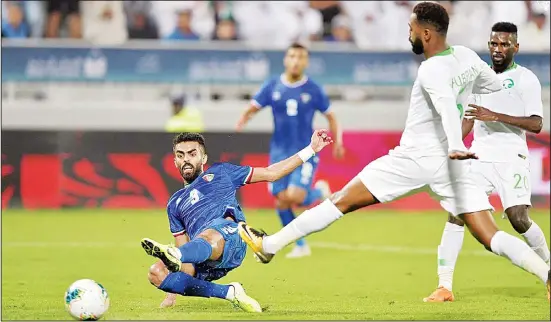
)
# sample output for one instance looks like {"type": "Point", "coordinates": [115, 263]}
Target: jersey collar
{"type": "Point", "coordinates": [446, 52]}
{"type": "Point", "coordinates": [295, 84]}
{"type": "Point", "coordinates": [189, 184]}
{"type": "Point", "coordinates": [513, 66]}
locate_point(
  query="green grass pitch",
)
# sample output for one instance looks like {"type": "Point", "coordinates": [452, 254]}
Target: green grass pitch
{"type": "Point", "coordinates": [369, 265]}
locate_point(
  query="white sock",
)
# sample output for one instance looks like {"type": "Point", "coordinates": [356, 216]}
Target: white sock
{"type": "Point", "coordinates": [231, 293]}
{"type": "Point", "coordinates": [536, 239]}
{"type": "Point", "coordinates": [520, 254]}
{"type": "Point", "coordinates": [448, 251]}
{"type": "Point", "coordinates": [310, 221]}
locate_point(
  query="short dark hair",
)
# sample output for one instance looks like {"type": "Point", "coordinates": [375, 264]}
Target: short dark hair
{"type": "Point", "coordinates": [296, 45]}
{"type": "Point", "coordinates": [189, 137]}
{"type": "Point", "coordinates": [433, 14]}
{"type": "Point", "coordinates": [505, 27]}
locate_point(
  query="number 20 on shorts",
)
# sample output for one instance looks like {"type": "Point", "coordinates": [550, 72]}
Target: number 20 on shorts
{"type": "Point", "coordinates": [520, 181]}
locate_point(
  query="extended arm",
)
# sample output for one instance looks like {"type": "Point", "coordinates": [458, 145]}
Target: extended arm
{"type": "Point", "coordinates": [532, 123]}
{"type": "Point", "coordinates": [487, 81]}
{"type": "Point", "coordinates": [278, 170]}
{"type": "Point", "coordinates": [335, 128]}
{"type": "Point", "coordinates": [259, 101]}
{"type": "Point", "coordinates": [247, 115]}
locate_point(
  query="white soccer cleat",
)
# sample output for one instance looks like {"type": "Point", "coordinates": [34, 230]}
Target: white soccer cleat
{"type": "Point", "coordinates": [324, 187]}
{"type": "Point", "coordinates": [299, 251]}
{"type": "Point", "coordinates": [243, 301]}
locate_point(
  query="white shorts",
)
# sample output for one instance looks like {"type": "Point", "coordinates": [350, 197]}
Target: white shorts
{"type": "Point", "coordinates": [398, 174]}
{"type": "Point", "coordinates": [511, 181]}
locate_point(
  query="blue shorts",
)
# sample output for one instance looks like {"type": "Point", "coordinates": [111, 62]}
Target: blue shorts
{"type": "Point", "coordinates": [232, 257]}
{"type": "Point", "coordinates": [301, 177]}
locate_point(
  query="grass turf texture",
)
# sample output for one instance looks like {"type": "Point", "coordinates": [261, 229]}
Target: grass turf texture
{"type": "Point", "coordinates": [370, 265]}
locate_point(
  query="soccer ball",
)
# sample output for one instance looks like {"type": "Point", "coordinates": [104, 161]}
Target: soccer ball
{"type": "Point", "coordinates": [86, 300]}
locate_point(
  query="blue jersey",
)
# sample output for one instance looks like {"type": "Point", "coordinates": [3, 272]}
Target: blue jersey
{"type": "Point", "coordinates": [209, 197]}
{"type": "Point", "coordinates": [293, 108]}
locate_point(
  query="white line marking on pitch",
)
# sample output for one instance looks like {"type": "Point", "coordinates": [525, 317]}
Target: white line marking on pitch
{"type": "Point", "coordinates": [388, 249]}
{"type": "Point", "coordinates": [321, 245]}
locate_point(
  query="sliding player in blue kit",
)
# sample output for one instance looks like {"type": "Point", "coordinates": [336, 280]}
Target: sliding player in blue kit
{"type": "Point", "coordinates": [203, 219]}
{"type": "Point", "coordinates": [295, 99]}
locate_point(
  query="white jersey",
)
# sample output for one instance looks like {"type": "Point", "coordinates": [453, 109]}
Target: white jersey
{"type": "Point", "coordinates": [521, 96]}
{"type": "Point", "coordinates": [439, 97]}
{"type": "Point", "coordinates": [433, 129]}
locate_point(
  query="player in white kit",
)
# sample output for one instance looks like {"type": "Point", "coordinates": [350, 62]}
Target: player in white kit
{"type": "Point", "coordinates": [431, 152]}
{"type": "Point", "coordinates": [500, 122]}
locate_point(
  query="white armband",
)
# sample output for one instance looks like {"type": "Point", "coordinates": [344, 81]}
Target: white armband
{"type": "Point", "coordinates": [306, 153]}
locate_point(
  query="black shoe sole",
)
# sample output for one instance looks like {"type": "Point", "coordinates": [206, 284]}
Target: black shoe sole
{"type": "Point", "coordinates": [154, 251]}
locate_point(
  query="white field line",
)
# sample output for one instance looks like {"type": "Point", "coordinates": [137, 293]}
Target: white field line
{"type": "Point", "coordinates": [390, 249]}
{"type": "Point", "coordinates": [319, 245]}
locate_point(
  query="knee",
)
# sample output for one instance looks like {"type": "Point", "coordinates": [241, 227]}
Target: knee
{"type": "Point", "coordinates": [294, 196]}
{"type": "Point", "coordinates": [519, 219]}
{"type": "Point", "coordinates": [157, 273]}
{"type": "Point", "coordinates": [282, 202]}
{"type": "Point", "coordinates": [294, 201]}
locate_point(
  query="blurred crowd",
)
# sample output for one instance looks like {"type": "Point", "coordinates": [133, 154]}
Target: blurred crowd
{"type": "Point", "coordinates": [375, 25]}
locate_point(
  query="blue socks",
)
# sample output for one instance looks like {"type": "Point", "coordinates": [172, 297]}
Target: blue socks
{"type": "Point", "coordinates": [195, 251]}
{"type": "Point", "coordinates": [187, 285]}
{"type": "Point", "coordinates": [286, 216]}
{"type": "Point", "coordinates": [312, 196]}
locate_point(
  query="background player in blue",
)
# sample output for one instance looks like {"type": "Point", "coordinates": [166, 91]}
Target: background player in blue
{"type": "Point", "coordinates": [203, 219]}
{"type": "Point", "coordinates": [295, 99]}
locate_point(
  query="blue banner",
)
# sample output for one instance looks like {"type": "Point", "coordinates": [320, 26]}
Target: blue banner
{"type": "Point", "coordinates": [201, 66]}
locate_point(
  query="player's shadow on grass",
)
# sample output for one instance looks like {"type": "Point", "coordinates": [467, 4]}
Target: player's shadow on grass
{"type": "Point", "coordinates": [223, 308]}
{"type": "Point", "coordinates": [515, 292]}
{"type": "Point", "coordinates": [213, 307]}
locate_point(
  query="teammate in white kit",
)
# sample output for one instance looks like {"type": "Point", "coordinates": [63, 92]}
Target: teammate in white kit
{"type": "Point", "coordinates": [502, 119]}
{"type": "Point", "coordinates": [429, 155]}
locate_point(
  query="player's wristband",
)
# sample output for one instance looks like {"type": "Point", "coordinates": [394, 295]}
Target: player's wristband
{"type": "Point", "coordinates": [306, 153]}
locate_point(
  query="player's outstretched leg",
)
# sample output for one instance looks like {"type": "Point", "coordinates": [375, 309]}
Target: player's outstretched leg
{"type": "Point", "coordinates": [187, 285]}
{"type": "Point", "coordinates": [532, 233]}
{"type": "Point", "coordinates": [448, 251]}
{"type": "Point", "coordinates": [483, 227]}
{"type": "Point", "coordinates": [352, 197]}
